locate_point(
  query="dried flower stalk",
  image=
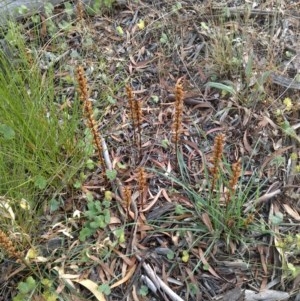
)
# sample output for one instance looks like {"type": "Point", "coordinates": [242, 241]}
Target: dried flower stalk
{"type": "Point", "coordinates": [177, 121]}
{"type": "Point", "coordinates": [142, 182]}
{"type": "Point", "coordinates": [7, 245]}
{"type": "Point", "coordinates": [236, 173]}
{"type": "Point", "coordinates": [216, 159]}
{"type": "Point", "coordinates": [88, 113]}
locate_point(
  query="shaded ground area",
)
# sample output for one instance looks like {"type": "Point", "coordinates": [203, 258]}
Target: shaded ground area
{"type": "Point", "coordinates": [239, 63]}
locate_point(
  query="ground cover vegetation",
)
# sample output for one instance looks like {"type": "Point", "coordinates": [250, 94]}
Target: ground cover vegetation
{"type": "Point", "coordinates": [149, 150]}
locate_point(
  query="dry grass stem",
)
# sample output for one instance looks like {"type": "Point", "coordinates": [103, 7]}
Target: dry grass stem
{"type": "Point", "coordinates": [7, 245]}
{"type": "Point", "coordinates": [236, 173]}
{"type": "Point", "coordinates": [88, 113]}
{"type": "Point", "coordinates": [216, 159]}
{"type": "Point", "coordinates": [177, 121]}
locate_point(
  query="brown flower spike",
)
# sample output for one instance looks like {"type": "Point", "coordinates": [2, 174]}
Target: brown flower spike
{"type": "Point", "coordinates": [177, 121]}
{"type": "Point", "coordinates": [79, 10]}
{"type": "Point", "coordinates": [236, 172]}
{"type": "Point", "coordinates": [88, 113]}
{"type": "Point", "coordinates": [7, 245]}
{"type": "Point", "coordinates": [136, 115]}
{"type": "Point", "coordinates": [216, 159]}
{"type": "Point", "coordinates": [127, 198]}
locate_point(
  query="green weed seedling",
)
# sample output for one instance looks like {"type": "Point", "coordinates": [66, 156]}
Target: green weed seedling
{"type": "Point", "coordinates": [25, 289]}
{"type": "Point", "coordinates": [97, 217]}
{"type": "Point", "coordinates": [99, 6]}
{"type": "Point", "coordinates": [28, 288]}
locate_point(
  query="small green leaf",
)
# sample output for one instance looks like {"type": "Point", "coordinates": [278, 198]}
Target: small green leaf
{"type": "Point", "coordinates": [121, 165]}
{"type": "Point", "coordinates": [69, 8]}
{"type": "Point", "coordinates": [27, 286]}
{"type": "Point", "coordinates": [77, 184]}
{"type": "Point", "coordinates": [277, 218]}
{"type": "Point", "coordinates": [143, 291]}
{"type": "Point", "coordinates": [164, 38]}
{"type": "Point", "coordinates": [106, 213]}
{"type": "Point", "coordinates": [120, 30]}
{"type": "Point", "coordinates": [111, 100]}
{"type": "Point", "coordinates": [204, 26]}
{"type": "Point", "coordinates": [179, 209]}
{"type": "Point", "coordinates": [24, 288]}
{"type": "Point", "coordinates": [54, 205]}
{"type": "Point", "coordinates": [97, 5]}
{"type": "Point", "coordinates": [89, 196]}
{"type": "Point", "coordinates": [165, 143]}
{"type": "Point", "coordinates": [121, 235]}
{"type": "Point", "coordinates": [106, 203]}
{"type": "Point", "coordinates": [84, 233]}
{"type": "Point", "coordinates": [40, 182]}
{"type": "Point", "coordinates": [48, 9]}
{"type": "Point", "coordinates": [176, 6]}
{"type": "Point", "coordinates": [47, 282]}
{"type": "Point", "coordinates": [185, 256]}
{"type": "Point", "coordinates": [155, 98]}
{"type": "Point", "coordinates": [35, 19]}
{"type": "Point", "coordinates": [7, 132]}
{"type": "Point", "coordinates": [288, 130]}
{"type": "Point", "coordinates": [107, 196]}
{"type": "Point", "coordinates": [23, 9]}
{"type": "Point", "coordinates": [104, 288]}
{"type": "Point", "coordinates": [141, 24]}
{"type": "Point", "coordinates": [111, 174]}
{"type": "Point", "coordinates": [170, 255]}
{"type": "Point", "coordinates": [295, 270]}
{"type": "Point", "coordinates": [64, 25]}
{"type": "Point", "coordinates": [50, 296]}
{"type": "Point", "coordinates": [221, 87]}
